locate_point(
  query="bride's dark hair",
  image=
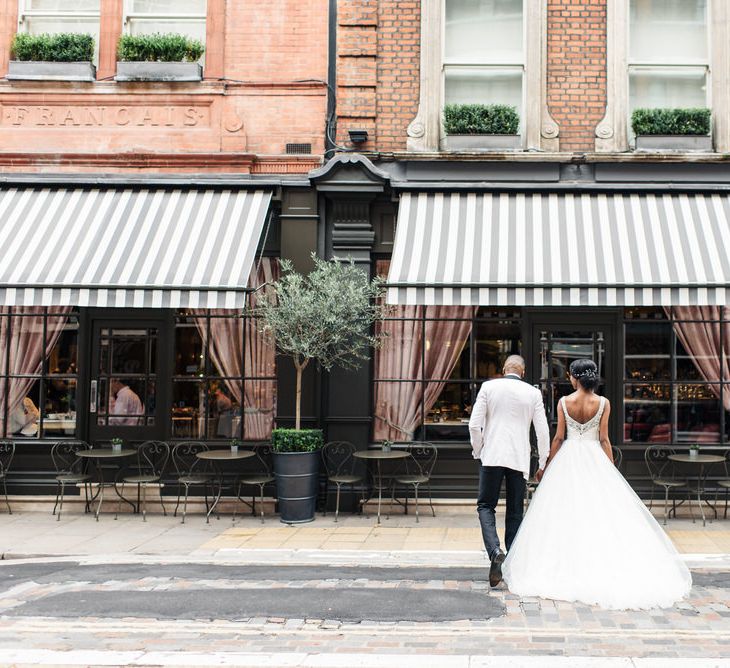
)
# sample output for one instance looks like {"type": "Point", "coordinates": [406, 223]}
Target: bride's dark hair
{"type": "Point", "coordinates": [585, 372]}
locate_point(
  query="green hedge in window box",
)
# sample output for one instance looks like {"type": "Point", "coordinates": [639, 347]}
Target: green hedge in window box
{"type": "Point", "coordinates": [682, 122]}
{"type": "Point", "coordinates": [56, 48]}
{"type": "Point", "coordinates": [480, 119]}
{"type": "Point", "coordinates": [158, 47]}
{"type": "Point", "coordinates": [296, 440]}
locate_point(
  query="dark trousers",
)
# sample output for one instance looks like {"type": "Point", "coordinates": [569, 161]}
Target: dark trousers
{"type": "Point", "coordinates": [490, 483]}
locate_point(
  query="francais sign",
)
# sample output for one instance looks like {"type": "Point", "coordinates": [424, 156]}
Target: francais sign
{"type": "Point", "coordinates": [67, 116]}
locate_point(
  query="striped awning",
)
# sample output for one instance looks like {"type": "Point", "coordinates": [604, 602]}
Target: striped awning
{"type": "Point", "coordinates": [558, 249]}
{"type": "Point", "coordinates": [157, 248]}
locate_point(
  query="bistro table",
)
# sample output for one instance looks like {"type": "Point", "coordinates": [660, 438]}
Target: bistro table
{"type": "Point", "coordinates": [216, 458]}
{"type": "Point", "coordinates": [99, 455]}
{"type": "Point", "coordinates": [700, 460]}
{"type": "Point", "coordinates": [378, 456]}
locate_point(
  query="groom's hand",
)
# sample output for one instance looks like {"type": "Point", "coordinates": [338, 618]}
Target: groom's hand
{"type": "Point", "coordinates": [539, 474]}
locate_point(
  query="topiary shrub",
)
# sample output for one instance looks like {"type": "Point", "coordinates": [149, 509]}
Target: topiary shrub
{"type": "Point", "coordinates": [57, 48]}
{"type": "Point", "coordinates": [296, 440]}
{"type": "Point", "coordinates": [165, 48]}
{"type": "Point", "coordinates": [480, 119]}
{"type": "Point", "coordinates": [671, 121]}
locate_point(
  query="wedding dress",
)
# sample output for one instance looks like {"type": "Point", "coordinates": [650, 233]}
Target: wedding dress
{"type": "Point", "coordinates": [587, 537]}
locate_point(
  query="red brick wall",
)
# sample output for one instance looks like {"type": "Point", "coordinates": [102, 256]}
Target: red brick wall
{"type": "Point", "coordinates": [378, 69]}
{"type": "Point", "coordinates": [576, 69]}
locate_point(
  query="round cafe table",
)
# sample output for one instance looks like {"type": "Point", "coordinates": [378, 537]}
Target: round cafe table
{"type": "Point", "coordinates": [100, 455]}
{"type": "Point", "coordinates": [700, 461]}
{"type": "Point", "coordinates": [379, 456]}
{"type": "Point", "coordinates": [216, 458]}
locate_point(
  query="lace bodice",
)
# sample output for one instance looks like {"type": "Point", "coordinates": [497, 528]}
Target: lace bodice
{"type": "Point", "coordinates": [587, 431]}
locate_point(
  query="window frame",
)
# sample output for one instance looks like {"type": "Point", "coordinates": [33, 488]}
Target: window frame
{"type": "Point", "coordinates": [129, 16]}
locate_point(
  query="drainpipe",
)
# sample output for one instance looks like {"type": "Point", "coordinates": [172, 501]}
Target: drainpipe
{"type": "Point", "coordinates": [331, 122]}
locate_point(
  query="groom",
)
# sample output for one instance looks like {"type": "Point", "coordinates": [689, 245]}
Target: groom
{"type": "Point", "coordinates": [499, 429]}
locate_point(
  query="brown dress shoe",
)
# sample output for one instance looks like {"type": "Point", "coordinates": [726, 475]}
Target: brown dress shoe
{"type": "Point", "coordinates": [495, 570]}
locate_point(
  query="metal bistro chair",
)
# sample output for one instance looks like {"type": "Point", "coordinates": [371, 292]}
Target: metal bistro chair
{"type": "Point", "coordinates": [190, 472]}
{"type": "Point", "coordinates": [724, 483]}
{"type": "Point", "coordinates": [7, 451]}
{"type": "Point", "coordinates": [617, 456]}
{"type": "Point", "coordinates": [416, 471]}
{"type": "Point", "coordinates": [532, 483]}
{"type": "Point", "coordinates": [340, 463]}
{"type": "Point", "coordinates": [662, 474]}
{"type": "Point", "coordinates": [152, 458]}
{"type": "Point", "coordinates": [70, 470]}
{"type": "Point", "coordinates": [258, 476]}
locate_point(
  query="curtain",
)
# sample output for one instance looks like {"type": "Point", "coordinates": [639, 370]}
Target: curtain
{"type": "Point", "coordinates": [257, 397]}
{"type": "Point", "coordinates": [415, 350]}
{"type": "Point", "coordinates": [24, 336]}
{"type": "Point", "coordinates": [702, 340]}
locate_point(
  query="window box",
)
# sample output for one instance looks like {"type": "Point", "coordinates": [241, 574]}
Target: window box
{"type": "Point", "coordinates": [34, 70]}
{"type": "Point", "coordinates": [158, 71]}
{"type": "Point", "coordinates": [674, 143]}
{"type": "Point", "coordinates": [482, 142]}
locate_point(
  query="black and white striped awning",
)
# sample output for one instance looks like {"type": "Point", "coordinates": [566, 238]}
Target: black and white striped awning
{"type": "Point", "coordinates": [557, 249]}
{"type": "Point", "coordinates": [128, 247]}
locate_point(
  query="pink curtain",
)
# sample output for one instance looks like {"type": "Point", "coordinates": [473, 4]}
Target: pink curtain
{"type": "Point", "coordinates": [415, 350]}
{"type": "Point", "coordinates": [24, 335]}
{"type": "Point", "coordinates": [257, 397]}
{"type": "Point", "coordinates": [702, 340]}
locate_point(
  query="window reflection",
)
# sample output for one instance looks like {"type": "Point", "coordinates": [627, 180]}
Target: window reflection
{"type": "Point", "coordinates": [698, 413]}
{"type": "Point", "coordinates": [647, 412]}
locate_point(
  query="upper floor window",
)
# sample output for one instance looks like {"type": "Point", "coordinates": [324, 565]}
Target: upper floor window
{"type": "Point", "coordinates": [185, 17]}
{"type": "Point", "coordinates": [483, 55]}
{"type": "Point", "coordinates": [668, 54]}
{"type": "Point", "coordinates": [56, 16]}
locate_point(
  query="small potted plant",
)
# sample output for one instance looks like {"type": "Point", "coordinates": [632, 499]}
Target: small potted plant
{"type": "Point", "coordinates": [117, 444]}
{"type": "Point", "coordinates": [234, 446]}
{"type": "Point", "coordinates": [159, 57]}
{"type": "Point", "coordinates": [387, 446]}
{"type": "Point", "coordinates": [694, 450]}
{"type": "Point", "coordinates": [481, 127]}
{"type": "Point", "coordinates": [672, 129]}
{"type": "Point", "coordinates": [57, 57]}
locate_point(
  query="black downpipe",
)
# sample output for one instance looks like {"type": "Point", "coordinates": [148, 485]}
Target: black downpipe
{"type": "Point", "coordinates": [330, 133]}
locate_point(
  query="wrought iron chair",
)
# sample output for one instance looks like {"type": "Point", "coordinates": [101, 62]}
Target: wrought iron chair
{"type": "Point", "coordinates": [532, 483]}
{"type": "Point", "coordinates": [617, 456]}
{"type": "Point", "coordinates": [724, 483]}
{"type": "Point", "coordinates": [70, 470]}
{"type": "Point", "coordinates": [259, 475]}
{"type": "Point", "coordinates": [190, 471]}
{"type": "Point", "coordinates": [662, 473]}
{"type": "Point", "coordinates": [7, 451]}
{"type": "Point", "coordinates": [152, 458]}
{"type": "Point", "coordinates": [340, 466]}
{"type": "Point", "coordinates": [416, 470]}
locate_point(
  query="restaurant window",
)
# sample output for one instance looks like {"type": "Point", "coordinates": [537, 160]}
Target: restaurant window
{"type": "Point", "coordinates": [186, 17]}
{"type": "Point", "coordinates": [484, 58]}
{"type": "Point", "coordinates": [668, 54]}
{"type": "Point", "coordinates": [224, 377]}
{"type": "Point", "coordinates": [431, 365]}
{"type": "Point", "coordinates": [676, 375]}
{"type": "Point", "coordinates": [57, 16]}
{"type": "Point", "coordinates": [38, 377]}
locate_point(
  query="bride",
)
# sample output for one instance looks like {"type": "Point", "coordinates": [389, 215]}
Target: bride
{"type": "Point", "coordinates": [586, 535]}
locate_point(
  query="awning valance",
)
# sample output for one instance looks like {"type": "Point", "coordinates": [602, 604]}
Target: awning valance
{"type": "Point", "coordinates": [119, 247]}
{"type": "Point", "coordinates": [557, 249]}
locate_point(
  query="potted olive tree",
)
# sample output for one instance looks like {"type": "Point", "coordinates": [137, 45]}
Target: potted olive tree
{"type": "Point", "coordinates": [672, 129]}
{"type": "Point", "coordinates": [481, 127]}
{"type": "Point", "coordinates": [56, 57]}
{"type": "Point", "coordinates": [159, 57]}
{"type": "Point", "coordinates": [325, 317]}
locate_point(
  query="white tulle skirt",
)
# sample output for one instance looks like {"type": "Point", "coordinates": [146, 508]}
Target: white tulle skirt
{"type": "Point", "coordinates": [587, 537]}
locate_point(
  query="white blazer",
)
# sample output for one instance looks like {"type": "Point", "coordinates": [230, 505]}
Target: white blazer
{"type": "Point", "coordinates": [499, 427]}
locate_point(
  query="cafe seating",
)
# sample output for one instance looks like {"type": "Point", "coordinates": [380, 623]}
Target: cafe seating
{"type": "Point", "coordinates": [339, 463]}
{"type": "Point", "coordinates": [617, 456]}
{"type": "Point", "coordinates": [150, 466]}
{"type": "Point", "coordinates": [724, 482]}
{"type": "Point", "coordinates": [259, 475]}
{"type": "Point", "coordinates": [416, 471]}
{"type": "Point", "coordinates": [7, 451]}
{"type": "Point", "coordinates": [70, 470]}
{"type": "Point", "coordinates": [190, 471]}
{"type": "Point", "coordinates": [662, 474]}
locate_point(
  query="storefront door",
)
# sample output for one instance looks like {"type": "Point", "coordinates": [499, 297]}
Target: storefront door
{"type": "Point", "coordinates": [125, 396]}
{"type": "Point", "coordinates": [557, 341]}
